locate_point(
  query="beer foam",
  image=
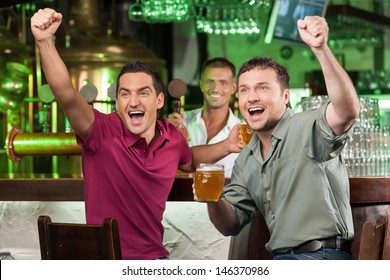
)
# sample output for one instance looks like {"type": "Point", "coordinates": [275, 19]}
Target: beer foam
{"type": "Point", "coordinates": [207, 167]}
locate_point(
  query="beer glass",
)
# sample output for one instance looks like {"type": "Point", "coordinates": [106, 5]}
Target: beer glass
{"type": "Point", "coordinates": [246, 133]}
{"type": "Point", "coordinates": [209, 181]}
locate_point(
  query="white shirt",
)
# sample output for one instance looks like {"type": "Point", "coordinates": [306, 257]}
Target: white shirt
{"type": "Point", "coordinates": [198, 135]}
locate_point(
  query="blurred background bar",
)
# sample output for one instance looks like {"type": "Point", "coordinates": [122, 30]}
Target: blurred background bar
{"type": "Point", "coordinates": [175, 36]}
{"type": "Point", "coordinates": [38, 147]}
{"type": "Point", "coordinates": [98, 37]}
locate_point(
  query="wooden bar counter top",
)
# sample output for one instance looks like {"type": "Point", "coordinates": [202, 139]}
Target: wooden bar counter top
{"type": "Point", "coordinates": [370, 196]}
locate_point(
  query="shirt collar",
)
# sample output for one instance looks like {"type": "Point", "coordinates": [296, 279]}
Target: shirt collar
{"type": "Point", "coordinates": [281, 129]}
{"type": "Point", "coordinates": [131, 139]}
{"type": "Point", "coordinates": [230, 123]}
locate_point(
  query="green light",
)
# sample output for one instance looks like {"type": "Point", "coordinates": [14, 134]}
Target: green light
{"type": "Point", "coordinates": [161, 11]}
{"type": "Point", "coordinates": [229, 17]}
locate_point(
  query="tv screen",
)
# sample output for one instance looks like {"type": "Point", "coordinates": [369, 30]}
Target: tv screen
{"type": "Point", "coordinates": [282, 24]}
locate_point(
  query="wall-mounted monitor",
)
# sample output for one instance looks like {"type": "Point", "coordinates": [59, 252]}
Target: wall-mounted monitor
{"type": "Point", "coordinates": [282, 24]}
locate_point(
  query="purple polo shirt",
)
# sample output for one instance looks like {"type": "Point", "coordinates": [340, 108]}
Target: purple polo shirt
{"type": "Point", "coordinates": [126, 180]}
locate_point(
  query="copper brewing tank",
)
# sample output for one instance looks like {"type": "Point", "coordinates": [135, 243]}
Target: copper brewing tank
{"type": "Point", "coordinates": [95, 56]}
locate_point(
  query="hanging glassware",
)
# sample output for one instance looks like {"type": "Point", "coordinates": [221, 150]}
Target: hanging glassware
{"type": "Point", "coordinates": [161, 11]}
{"type": "Point", "coordinates": [220, 17]}
{"type": "Point", "coordinates": [229, 17]}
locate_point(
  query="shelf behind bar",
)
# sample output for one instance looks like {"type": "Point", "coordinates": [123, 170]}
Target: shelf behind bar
{"type": "Point", "coordinates": [347, 10]}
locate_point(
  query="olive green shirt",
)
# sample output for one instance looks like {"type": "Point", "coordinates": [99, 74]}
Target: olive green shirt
{"type": "Point", "coordinates": [302, 186]}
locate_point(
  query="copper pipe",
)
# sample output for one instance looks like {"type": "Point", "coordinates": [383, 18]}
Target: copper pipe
{"type": "Point", "coordinates": [19, 144]}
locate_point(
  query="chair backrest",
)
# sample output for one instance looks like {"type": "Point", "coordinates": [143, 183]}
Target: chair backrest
{"type": "Point", "coordinates": [372, 240]}
{"type": "Point", "coordinates": [249, 244]}
{"type": "Point", "coordinates": [259, 235]}
{"type": "Point", "coordinates": [66, 241]}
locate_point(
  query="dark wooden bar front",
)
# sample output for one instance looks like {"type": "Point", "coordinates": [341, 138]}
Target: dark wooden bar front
{"type": "Point", "coordinates": [25, 188]}
{"type": "Point", "coordinates": [370, 196]}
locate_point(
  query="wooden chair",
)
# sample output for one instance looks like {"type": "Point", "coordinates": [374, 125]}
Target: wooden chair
{"type": "Point", "coordinates": [258, 236]}
{"type": "Point", "coordinates": [372, 240]}
{"type": "Point", "coordinates": [249, 244]}
{"type": "Point", "coordinates": [66, 241]}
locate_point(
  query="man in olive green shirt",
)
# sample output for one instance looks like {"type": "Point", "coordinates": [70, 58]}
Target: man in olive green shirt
{"type": "Point", "coordinates": [292, 169]}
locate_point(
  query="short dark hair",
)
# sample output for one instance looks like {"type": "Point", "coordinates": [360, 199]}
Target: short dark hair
{"type": "Point", "coordinates": [267, 63]}
{"type": "Point", "coordinates": [218, 62]}
{"type": "Point", "coordinates": [137, 66]}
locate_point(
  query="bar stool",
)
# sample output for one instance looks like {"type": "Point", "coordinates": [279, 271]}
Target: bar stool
{"type": "Point", "coordinates": [372, 240]}
{"type": "Point", "coordinates": [67, 241]}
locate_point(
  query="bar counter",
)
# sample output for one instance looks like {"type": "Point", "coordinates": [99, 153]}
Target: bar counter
{"type": "Point", "coordinates": [45, 187]}
{"type": "Point", "coordinates": [370, 196]}
{"type": "Point", "coordinates": [188, 232]}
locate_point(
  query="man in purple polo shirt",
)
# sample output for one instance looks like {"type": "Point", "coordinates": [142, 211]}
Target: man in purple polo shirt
{"type": "Point", "coordinates": [129, 157]}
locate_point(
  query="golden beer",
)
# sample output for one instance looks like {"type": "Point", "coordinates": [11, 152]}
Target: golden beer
{"type": "Point", "coordinates": [246, 133]}
{"type": "Point", "coordinates": [209, 182]}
